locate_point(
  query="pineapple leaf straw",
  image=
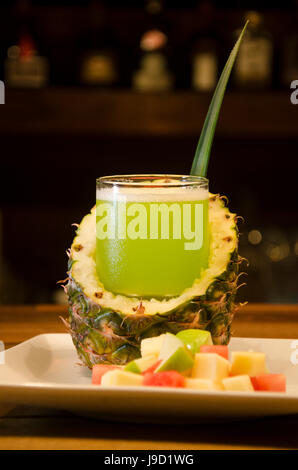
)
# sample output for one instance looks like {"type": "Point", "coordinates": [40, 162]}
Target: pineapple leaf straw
{"type": "Point", "coordinates": [201, 158]}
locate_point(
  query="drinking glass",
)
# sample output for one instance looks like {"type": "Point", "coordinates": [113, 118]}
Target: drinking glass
{"type": "Point", "coordinates": [152, 233]}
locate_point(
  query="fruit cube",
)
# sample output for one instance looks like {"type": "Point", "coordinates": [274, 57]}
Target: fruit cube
{"type": "Point", "coordinates": [202, 384]}
{"type": "Point", "coordinates": [216, 349]}
{"type": "Point", "coordinates": [238, 383]}
{"type": "Point", "coordinates": [169, 378]}
{"type": "Point", "coordinates": [140, 365]}
{"type": "Point", "coordinates": [269, 382]}
{"type": "Point", "coordinates": [121, 377]}
{"type": "Point", "coordinates": [248, 363]}
{"type": "Point", "coordinates": [194, 339]}
{"type": "Point", "coordinates": [210, 366]}
{"type": "Point", "coordinates": [174, 355]}
{"type": "Point", "coordinates": [98, 371]}
{"type": "Point", "coordinates": [153, 367]}
{"type": "Point", "coordinates": [169, 344]}
{"type": "Point", "coordinates": [151, 346]}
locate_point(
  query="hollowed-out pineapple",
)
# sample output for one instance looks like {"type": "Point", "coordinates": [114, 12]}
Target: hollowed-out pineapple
{"type": "Point", "coordinates": [108, 328]}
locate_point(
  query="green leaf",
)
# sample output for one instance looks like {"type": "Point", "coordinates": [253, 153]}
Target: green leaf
{"type": "Point", "coordinates": [201, 158]}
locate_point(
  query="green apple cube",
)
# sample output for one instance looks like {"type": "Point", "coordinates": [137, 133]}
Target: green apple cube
{"type": "Point", "coordinates": [174, 355]}
{"type": "Point", "coordinates": [194, 339]}
{"type": "Point", "coordinates": [139, 365]}
{"type": "Point", "coordinates": [152, 345]}
{"type": "Point", "coordinates": [170, 343]}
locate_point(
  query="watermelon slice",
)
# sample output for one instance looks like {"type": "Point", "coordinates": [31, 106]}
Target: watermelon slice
{"type": "Point", "coordinates": [169, 378]}
{"type": "Point", "coordinates": [269, 382]}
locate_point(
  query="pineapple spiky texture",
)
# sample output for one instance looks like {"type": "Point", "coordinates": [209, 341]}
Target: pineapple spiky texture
{"type": "Point", "coordinates": [108, 328]}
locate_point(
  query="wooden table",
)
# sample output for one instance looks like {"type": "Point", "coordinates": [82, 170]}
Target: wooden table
{"type": "Point", "coordinates": [32, 428]}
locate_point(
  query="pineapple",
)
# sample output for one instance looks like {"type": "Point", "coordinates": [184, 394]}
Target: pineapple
{"type": "Point", "coordinates": [108, 328]}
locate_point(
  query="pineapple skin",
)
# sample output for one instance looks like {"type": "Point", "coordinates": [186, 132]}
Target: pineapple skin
{"type": "Point", "coordinates": [102, 335]}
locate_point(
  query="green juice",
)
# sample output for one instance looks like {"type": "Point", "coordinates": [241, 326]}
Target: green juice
{"type": "Point", "coordinates": [153, 246]}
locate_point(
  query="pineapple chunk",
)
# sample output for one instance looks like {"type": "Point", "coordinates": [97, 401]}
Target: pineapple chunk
{"type": "Point", "coordinates": [151, 346]}
{"type": "Point", "coordinates": [239, 383]}
{"type": "Point", "coordinates": [121, 377]}
{"type": "Point", "coordinates": [202, 384]}
{"type": "Point", "coordinates": [248, 363]}
{"type": "Point", "coordinates": [210, 366]}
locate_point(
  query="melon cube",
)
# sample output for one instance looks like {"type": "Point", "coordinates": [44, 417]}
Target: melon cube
{"type": "Point", "coordinates": [121, 377]}
{"type": "Point", "coordinates": [151, 346]}
{"type": "Point", "coordinates": [210, 366]}
{"type": "Point", "coordinates": [202, 384]}
{"type": "Point", "coordinates": [248, 363]}
{"type": "Point", "coordinates": [238, 383]}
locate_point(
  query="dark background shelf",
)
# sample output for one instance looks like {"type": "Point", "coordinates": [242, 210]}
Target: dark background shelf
{"type": "Point", "coordinates": [68, 111]}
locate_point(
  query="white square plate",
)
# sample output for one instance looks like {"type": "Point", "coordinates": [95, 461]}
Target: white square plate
{"type": "Point", "coordinates": [44, 371]}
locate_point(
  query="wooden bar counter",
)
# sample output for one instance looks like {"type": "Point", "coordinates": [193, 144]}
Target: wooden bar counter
{"type": "Point", "coordinates": [34, 428]}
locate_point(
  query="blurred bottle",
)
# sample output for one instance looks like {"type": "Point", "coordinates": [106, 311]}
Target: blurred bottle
{"type": "Point", "coordinates": [204, 54]}
{"type": "Point", "coordinates": [24, 67]}
{"type": "Point", "coordinates": [153, 74]}
{"type": "Point", "coordinates": [99, 62]}
{"type": "Point", "coordinates": [253, 67]}
{"type": "Point", "coordinates": [289, 70]}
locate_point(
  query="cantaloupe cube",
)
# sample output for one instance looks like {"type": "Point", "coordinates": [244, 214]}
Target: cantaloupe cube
{"type": "Point", "coordinates": [151, 346]}
{"type": "Point", "coordinates": [248, 363]}
{"type": "Point", "coordinates": [202, 384]}
{"type": "Point", "coordinates": [210, 366]}
{"type": "Point", "coordinates": [121, 377]}
{"type": "Point", "coordinates": [238, 383]}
